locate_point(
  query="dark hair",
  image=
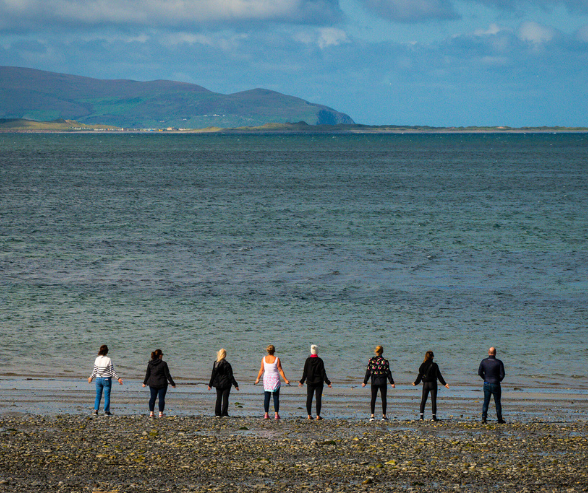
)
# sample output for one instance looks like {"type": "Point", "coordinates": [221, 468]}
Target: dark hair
{"type": "Point", "coordinates": [429, 356]}
{"type": "Point", "coordinates": [103, 351]}
{"type": "Point", "coordinates": [156, 354]}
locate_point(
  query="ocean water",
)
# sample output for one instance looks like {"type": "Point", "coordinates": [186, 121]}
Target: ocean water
{"type": "Point", "coordinates": [195, 242]}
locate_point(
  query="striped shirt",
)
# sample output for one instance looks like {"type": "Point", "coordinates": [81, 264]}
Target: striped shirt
{"type": "Point", "coordinates": [103, 368]}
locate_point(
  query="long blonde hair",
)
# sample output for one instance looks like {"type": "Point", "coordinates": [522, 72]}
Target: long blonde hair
{"type": "Point", "coordinates": [221, 355]}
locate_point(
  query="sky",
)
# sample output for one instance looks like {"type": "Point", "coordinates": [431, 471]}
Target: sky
{"type": "Point", "coordinates": [383, 62]}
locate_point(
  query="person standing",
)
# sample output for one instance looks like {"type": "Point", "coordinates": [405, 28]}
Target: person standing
{"type": "Point", "coordinates": [157, 377]}
{"type": "Point", "coordinates": [222, 378]}
{"type": "Point", "coordinates": [314, 373]}
{"type": "Point", "coordinates": [271, 369]}
{"type": "Point", "coordinates": [492, 371]}
{"type": "Point", "coordinates": [103, 371]}
{"type": "Point", "coordinates": [429, 373]}
{"type": "Point", "coordinates": [378, 369]}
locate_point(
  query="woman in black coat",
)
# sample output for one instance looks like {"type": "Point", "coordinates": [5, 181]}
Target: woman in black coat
{"type": "Point", "coordinates": [157, 377]}
{"type": "Point", "coordinates": [315, 376]}
{"type": "Point", "coordinates": [429, 373]}
{"type": "Point", "coordinates": [222, 378]}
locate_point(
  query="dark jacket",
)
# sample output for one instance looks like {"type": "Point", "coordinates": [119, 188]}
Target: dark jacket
{"type": "Point", "coordinates": [491, 370]}
{"type": "Point", "coordinates": [378, 369]}
{"type": "Point", "coordinates": [222, 375]}
{"type": "Point", "coordinates": [429, 372]}
{"type": "Point", "coordinates": [314, 372]}
{"type": "Point", "coordinates": [157, 374]}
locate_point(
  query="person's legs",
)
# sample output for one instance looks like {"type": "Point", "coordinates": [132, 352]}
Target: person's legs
{"type": "Point", "coordinates": [161, 394]}
{"type": "Point", "coordinates": [107, 388]}
{"type": "Point", "coordinates": [309, 395]}
{"type": "Point", "coordinates": [225, 408]}
{"type": "Point", "coordinates": [434, 399]}
{"type": "Point", "coordinates": [266, 401]}
{"type": "Point", "coordinates": [99, 388]}
{"type": "Point", "coordinates": [487, 394]}
{"type": "Point", "coordinates": [218, 411]}
{"type": "Point", "coordinates": [319, 396]}
{"type": "Point", "coordinates": [424, 399]}
{"type": "Point", "coordinates": [374, 396]}
{"type": "Point", "coordinates": [383, 392]}
{"type": "Point", "coordinates": [497, 392]}
{"type": "Point", "coordinates": [153, 391]}
{"type": "Point", "coordinates": [277, 401]}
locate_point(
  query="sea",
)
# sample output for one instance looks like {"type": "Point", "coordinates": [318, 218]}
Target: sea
{"type": "Point", "coordinates": [189, 243]}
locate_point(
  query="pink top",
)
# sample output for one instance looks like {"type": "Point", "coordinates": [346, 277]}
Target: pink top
{"type": "Point", "coordinates": [271, 376]}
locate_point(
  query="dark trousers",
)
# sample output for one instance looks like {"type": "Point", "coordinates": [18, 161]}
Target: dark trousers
{"type": "Point", "coordinates": [432, 388]}
{"type": "Point", "coordinates": [492, 389]}
{"type": "Point", "coordinates": [310, 391]}
{"type": "Point", "coordinates": [157, 393]}
{"type": "Point", "coordinates": [222, 396]}
{"type": "Point", "coordinates": [383, 390]}
{"type": "Point", "coordinates": [268, 396]}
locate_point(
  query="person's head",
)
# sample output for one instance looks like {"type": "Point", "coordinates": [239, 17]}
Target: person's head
{"type": "Point", "coordinates": [429, 356]}
{"type": "Point", "coordinates": [103, 351]}
{"type": "Point", "coordinates": [313, 349]}
{"type": "Point", "coordinates": [158, 353]}
{"type": "Point", "coordinates": [221, 355]}
{"type": "Point", "coordinates": [492, 351]}
{"type": "Point", "coordinates": [379, 350]}
{"type": "Point", "coordinates": [270, 349]}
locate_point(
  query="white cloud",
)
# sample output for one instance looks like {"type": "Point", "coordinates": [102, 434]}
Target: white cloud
{"type": "Point", "coordinates": [156, 13]}
{"type": "Point", "coordinates": [533, 32]}
{"type": "Point", "coordinates": [323, 37]}
{"type": "Point", "coordinates": [410, 10]}
{"type": "Point", "coordinates": [522, 5]}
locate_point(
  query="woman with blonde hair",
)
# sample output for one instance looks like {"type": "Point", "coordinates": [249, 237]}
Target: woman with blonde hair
{"type": "Point", "coordinates": [271, 369]}
{"type": "Point", "coordinates": [429, 373]}
{"type": "Point", "coordinates": [222, 378]}
{"type": "Point", "coordinates": [378, 369]}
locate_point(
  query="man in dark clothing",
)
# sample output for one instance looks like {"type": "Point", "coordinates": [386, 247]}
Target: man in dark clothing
{"type": "Point", "coordinates": [492, 371]}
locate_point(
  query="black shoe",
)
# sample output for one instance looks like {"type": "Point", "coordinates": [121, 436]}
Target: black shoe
{"type": "Point", "coordinates": [501, 421]}
{"type": "Point", "coordinates": [484, 421]}
{"type": "Point", "coordinates": [422, 417]}
{"type": "Point", "coordinates": [107, 413]}
{"type": "Point", "coordinates": [434, 418]}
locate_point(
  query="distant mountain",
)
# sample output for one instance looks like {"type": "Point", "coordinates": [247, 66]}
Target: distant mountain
{"type": "Point", "coordinates": [43, 96]}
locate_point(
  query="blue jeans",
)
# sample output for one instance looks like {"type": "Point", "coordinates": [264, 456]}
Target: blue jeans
{"type": "Point", "coordinates": [103, 384]}
{"type": "Point", "coordinates": [492, 389]}
{"type": "Point", "coordinates": [267, 398]}
{"type": "Point", "coordinates": [154, 394]}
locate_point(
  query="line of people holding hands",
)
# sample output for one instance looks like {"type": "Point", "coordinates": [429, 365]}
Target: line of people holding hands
{"type": "Point", "coordinates": [378, 373]}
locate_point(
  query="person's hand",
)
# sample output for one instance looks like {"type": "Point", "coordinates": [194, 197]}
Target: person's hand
{"type": "Point", "coordinates": [89, 379]}
{"type": "Point", "coordinates": [144, 385]}
{"type": "Point", "coordinates": [120, 381]}
{"type": "Point", "coordinates": [413, 384]}
{"type": "Point", "coordinates": [287, 381]}
{"type": "Point", "coordinates": [330, 386]}
{"type": "Point", "coordinates": [299, 384]}
{"type": "Point", "coordinates": [256, 382]}
{"type": "Point", "coordinates": [173, 386]}
{"type": "Point", "coordinates": [208, 387]}
{"type": "Point", "coordinates": [392, 385]}
{"type": "Point", "coordinates": [446, 385]}
{"type": "Point", "coordinates": [363, 384]}
{"type": "Point", "coordinates": [237, 388]}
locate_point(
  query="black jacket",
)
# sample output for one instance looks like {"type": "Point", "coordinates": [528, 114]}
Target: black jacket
{"type": "Point", "coordinates": [157, 374]}
{"type": "Point", "coordinates": [222, 375]}
{"type": "Point", "coordinates": [378, 369]}
{"type": "Point", "coordinates": [314, 372]}
{"type": "Point", "coordinates": [491, 370]}
{"type": "Point", "coordinates": [429, 372]}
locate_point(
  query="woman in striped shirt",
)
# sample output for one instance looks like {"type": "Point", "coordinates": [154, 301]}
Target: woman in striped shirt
{"type": "Point", "coordinates": [103, 371]}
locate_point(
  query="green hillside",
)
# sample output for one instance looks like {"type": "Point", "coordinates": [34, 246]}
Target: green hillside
{"type": "Point", "coordinates": [44, 96]}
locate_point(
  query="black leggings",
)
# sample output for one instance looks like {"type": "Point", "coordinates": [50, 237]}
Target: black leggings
{"type": "Point", "coordinates": [266, 401]}
{"type": "Point", "coordinates": [155, 393]}
{"type": "Point", "coordinates": [222, 395]}
{"type": "Point", "coordinates": [310, 391]}
{"type": "Point", "coordinates": [429, 387]}
{"type": "Point", "coordinates": [383, 390]}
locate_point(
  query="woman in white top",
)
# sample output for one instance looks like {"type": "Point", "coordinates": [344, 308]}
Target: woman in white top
{"type": "Point", "coordinates": [271, 368]}
{"type": "Point", "coordinates": [103, 371]}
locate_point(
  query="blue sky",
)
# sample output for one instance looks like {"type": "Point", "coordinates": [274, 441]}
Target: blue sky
{"type": "Point", "coordinates": [403, 62]}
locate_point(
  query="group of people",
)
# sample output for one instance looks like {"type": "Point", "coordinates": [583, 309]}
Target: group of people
{"type": "Point", "coordinates": [378, 373]}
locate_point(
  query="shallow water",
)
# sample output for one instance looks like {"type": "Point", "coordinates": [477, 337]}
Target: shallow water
{"type": "Point", "coordinates": [189, 243]}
